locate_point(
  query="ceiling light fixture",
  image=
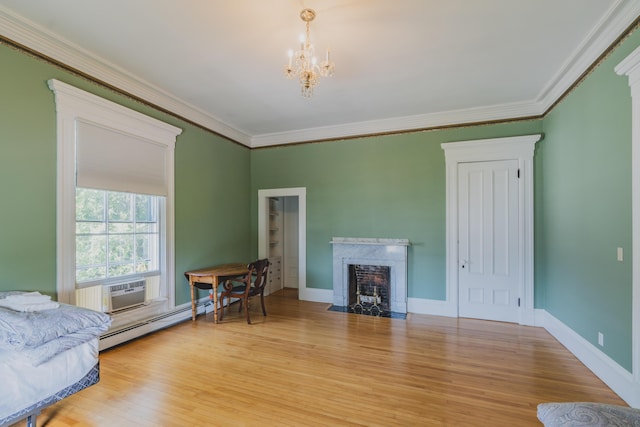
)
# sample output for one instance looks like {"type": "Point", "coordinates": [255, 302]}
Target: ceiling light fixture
{"type": "Point", "coordinates": [303, 64]}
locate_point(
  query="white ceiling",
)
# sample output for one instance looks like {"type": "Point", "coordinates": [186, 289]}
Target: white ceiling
{"type": "Point", "coordinates": [403, 64]}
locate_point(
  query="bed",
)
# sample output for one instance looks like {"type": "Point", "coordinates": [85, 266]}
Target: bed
{"type": "Point", "coordinates": [45, 356]}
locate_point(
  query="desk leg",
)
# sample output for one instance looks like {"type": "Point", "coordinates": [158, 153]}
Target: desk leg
{"type": "Point", "coordinates": [193, 299]}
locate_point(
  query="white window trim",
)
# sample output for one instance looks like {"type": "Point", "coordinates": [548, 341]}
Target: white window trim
{"type": "Point", "coordinates": [73, 104]}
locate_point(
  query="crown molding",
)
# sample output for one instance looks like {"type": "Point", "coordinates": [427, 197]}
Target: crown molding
{"type": "Point", "coordinates": [615, 22]}
{"type": "Point", "coordinates": [630, 67]}
{"type": "Point", "coordinates": [611, 26]}
{"type": "Point", "coordinates": [402, 124]}
{"type": "Point", "coordinates": [27, 33]}
{"type": "Point", "coordinates": [618, 19]}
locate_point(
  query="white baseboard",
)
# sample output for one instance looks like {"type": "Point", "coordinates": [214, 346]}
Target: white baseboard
{"type": "Point", "coordinates": [611, 373]}
{"type": "Point", "coordinates": [432, 307]}
{"type": "Point", "coordinates": [316, 295]}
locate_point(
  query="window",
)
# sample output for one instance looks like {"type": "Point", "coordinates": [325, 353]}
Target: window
{"type": "Point", "coordinates": [117, 235]}
{"type": "Point", "coordinates": [115, 194]}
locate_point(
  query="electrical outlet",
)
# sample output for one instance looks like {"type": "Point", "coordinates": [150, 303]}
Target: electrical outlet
{"type": "Point", "coordinates": [600, 339]}
{"type": "Point", "coordinates": [620, 255]}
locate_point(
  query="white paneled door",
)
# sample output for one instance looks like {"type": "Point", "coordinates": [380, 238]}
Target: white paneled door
{"type": "Point", "coordinates": [488, 257]}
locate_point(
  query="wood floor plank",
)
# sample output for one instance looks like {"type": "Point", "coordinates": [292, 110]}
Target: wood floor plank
{"type": "Point", "coordinates": [303, 365]}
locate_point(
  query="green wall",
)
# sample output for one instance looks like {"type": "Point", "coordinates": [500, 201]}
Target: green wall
{"type": "Point", "coordinates": [212, 183]}
{"type": "Point", "coordinates": [394, 186]}
{"type": "Point", "coordinates": [27, 175]}
{"type": "Point", "coordinates": [385, 186]}
{"type": "Point", "coordinates": [583, 209]}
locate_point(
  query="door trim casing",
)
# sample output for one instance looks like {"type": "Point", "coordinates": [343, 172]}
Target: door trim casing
{"type": "Point", "coordinates": [630, 67]}
{"type": "Point", "coordinates": [520, 148]}
{"type": "Point", "coordinates": [263, 244]}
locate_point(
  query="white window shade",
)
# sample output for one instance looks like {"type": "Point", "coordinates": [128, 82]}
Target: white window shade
{"type": "Point", "coordinates": [107, 159]}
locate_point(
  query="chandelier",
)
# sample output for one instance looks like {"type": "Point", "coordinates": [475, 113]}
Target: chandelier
{"type": "Point", "coordinates": [303, 63]}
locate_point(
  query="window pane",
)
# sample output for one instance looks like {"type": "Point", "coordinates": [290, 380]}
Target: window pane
{"type": "Point", "coordinates": [120, 248]}
{"type": "Point", "coordinates": [146, 247]}
{"type": "Point", "coordinates": [90, 227]}
{"type": "Point", "coordinates": [91, 251]}
{"type": "Point", "coordinates": [147, 227]}
{"type": "Point", "coordinates": [92, 273]}
{"type": "Point", "coordinates": [120, 270]}
{"type": "Point", "coordinates": [142, 248]}
{"type": "Point", "coordinates": [143, 267]}
{"type": "Point", "coordinates": [117, 234]}
{"type": "Point", "coordinates": [145, 208]}
{"type": "Point", "coordinates": [120, 227]}
{"type": "Point", "coordinates": [89, 205]}
{"type": "Point", "coordinates": [146, 252]}
{"type": "Point", "coordinates": [119, 206]}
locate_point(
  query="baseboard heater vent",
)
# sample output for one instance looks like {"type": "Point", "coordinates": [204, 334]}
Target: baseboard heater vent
{"type": "Point", "coordinates": [138, 329]}
{"type": "Point", "coordinates": [120, 296]}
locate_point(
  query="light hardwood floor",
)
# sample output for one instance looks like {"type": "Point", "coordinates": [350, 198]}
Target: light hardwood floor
{"type": "Point", "coordinates": [303, 365]}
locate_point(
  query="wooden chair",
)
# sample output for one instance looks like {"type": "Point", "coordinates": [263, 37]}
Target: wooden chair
{"type": "Point", "coordinates": [247, 286]}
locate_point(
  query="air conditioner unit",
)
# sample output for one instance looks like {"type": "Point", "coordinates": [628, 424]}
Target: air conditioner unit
{"type": "Point", "coordinates": [118, 296]}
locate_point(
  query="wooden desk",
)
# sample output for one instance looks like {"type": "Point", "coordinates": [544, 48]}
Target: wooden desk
{"type": "Point", "coordinates": [213, 276]}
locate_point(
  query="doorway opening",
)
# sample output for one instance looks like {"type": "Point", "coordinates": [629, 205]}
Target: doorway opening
{"type": "Point", "coordinates": [282, 238]}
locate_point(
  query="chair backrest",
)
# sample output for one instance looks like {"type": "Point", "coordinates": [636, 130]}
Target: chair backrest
{"type": "Point", "coordinates": [259, 269]}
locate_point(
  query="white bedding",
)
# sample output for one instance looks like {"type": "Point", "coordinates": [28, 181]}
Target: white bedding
{"type": "Point", "coordinates": [48, 332]}
{"type": "Point", "coordinates": [24, 385]}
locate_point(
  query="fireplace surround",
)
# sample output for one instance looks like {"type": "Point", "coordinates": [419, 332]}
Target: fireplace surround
{"type": "Point", "coordinates": [392, 253]}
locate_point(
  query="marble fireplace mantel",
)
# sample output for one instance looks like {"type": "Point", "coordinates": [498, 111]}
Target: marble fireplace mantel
{"type": "Point", "coordinates": [370, 251]}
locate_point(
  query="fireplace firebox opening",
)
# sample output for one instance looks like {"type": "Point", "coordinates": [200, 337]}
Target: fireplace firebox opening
{"type": "Point", "coordinates": [369, 289]}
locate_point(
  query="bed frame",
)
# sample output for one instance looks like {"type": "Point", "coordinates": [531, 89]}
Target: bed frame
{"type": "Point", "coordinates": [29, 414]}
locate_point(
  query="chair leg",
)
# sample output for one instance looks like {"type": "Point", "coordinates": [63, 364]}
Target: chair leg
{"type": "Point", "coordinates": [264, 310]}
{"type": "Point", "coordinates": [246, 309]}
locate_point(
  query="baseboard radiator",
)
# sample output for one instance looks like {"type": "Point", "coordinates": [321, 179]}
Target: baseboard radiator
{"type": "Point", "coordinates": [138, 329]}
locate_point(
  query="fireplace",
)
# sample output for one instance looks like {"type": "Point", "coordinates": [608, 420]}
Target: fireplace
{"type": "Point", "coordinates": [370, 276]}
{"type": "Point", "coordinates": [369, 290]}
